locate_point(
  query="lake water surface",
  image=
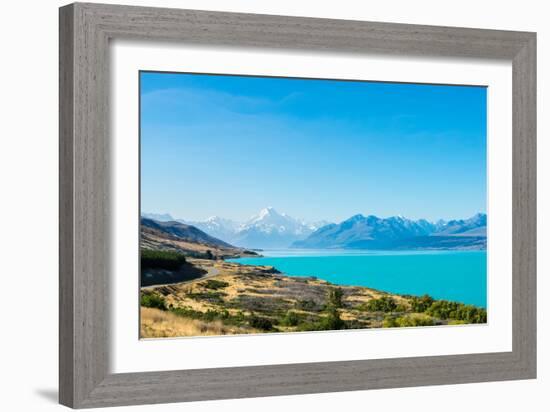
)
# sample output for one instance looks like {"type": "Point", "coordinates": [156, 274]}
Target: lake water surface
{"type": "Point", "coordinates": [453, 275]}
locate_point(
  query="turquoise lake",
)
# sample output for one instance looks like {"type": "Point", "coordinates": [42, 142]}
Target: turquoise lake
{"type": "Point", "coordinates": [452, 275]}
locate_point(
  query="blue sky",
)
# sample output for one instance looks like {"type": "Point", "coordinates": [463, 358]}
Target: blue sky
{"type": "Point", "coordinates": [315, 149]}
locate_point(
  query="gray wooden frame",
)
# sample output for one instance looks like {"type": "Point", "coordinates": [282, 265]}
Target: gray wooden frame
{"type": "Point", "coordinates": [85, 31]}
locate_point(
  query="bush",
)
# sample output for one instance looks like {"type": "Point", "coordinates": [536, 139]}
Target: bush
{"type": "Point", "coordinates": [421, 304]}
{"type": "Point", "coordinates": [334, 297]}
{"type": "Point", "coordinates": [211, 315]}
{"type": "Point", "coordinates": [407, 321]}
{"type": "Point", "coordinates": [290, 319]}
{"type": "Point", "coordinates": [161, 259]}
{"type": "Point", "coordinates": [444, 309]}
{"type": "Point", "coordinates": [211, 297]}
{"type": "Point", "coordinates": [471, 314]}
{"type": "Point", "coordinates": [332, 321]}
{"type": "Point", "coordinates": [383, 304]}
{"type": "Point", "coordinates": [307, 305]}
{"type": "Point", "coordinates": [401, 308]}
{"type": "Point", "coordinates": [456, 322]}
{"type": "Point", "coordinates": [260, 323]}
{"type": "Point", "coordinates": [153, 300]}
{"type": "Point", "coordinates": [215, 284]}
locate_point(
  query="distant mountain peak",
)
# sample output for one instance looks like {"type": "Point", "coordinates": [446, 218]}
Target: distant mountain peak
{"type": "Point", "coordinates": [266, 211]}
{"type": "Point", "coordinates": [160, 217]}
{"type": "Point", "coordinates": [397, 232]}
{"type": "Point", "coordinates": [355, 218]}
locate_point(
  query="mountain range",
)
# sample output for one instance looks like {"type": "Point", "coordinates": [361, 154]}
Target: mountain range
{"type": "Point", "coordinates": [397, 232]}
{"type": "Point", "coordinates": [270, 229]}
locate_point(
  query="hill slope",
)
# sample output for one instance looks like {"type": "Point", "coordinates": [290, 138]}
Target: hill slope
{"type": "Point", "coordinates": [185, 239]}
{"type": "Point", "coordinates": [267, 229]}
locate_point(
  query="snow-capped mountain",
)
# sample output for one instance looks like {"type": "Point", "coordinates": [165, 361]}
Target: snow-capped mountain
{"type": "Point", "coordinates": [271, 229]}
{"type": "Point", "coordinates": [267, 229]}
{"type": "Point", "coordinates": [474, 226]}
{"type": "Point", "coordinates": [218, 227]}
{"type": "Point", "coordinates": [397, 232]}
{"type": "Point", "coordinates": [268, 220]}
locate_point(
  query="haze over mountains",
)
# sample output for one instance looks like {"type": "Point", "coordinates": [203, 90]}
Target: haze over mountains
{"type": "Point", "coordinates": [270, 229]}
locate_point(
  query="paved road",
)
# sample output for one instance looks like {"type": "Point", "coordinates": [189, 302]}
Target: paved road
{"type": "Point", "coordinates": [211, 272]}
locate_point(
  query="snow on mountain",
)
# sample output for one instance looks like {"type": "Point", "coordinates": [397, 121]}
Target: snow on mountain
{"type": "Point", "coordinates": [268, 220]}
{"type": "Point", "coordinates": [397, 232]}
{"type": "Point", "coordinates": [476, 224]}
{"type": "Point", "coordinates": [271, 229]}
{"type": "Point", "coordinates": [218, 227]}
{"type": "Point", "coordinates": [266, 229]}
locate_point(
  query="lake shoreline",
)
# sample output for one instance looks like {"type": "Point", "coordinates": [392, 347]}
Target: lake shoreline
{"type": "Point", "coordinates": [242, 299]}
{"type": "Point", "coordinates": [451, 274]}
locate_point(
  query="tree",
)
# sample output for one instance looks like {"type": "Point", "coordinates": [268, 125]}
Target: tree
{"type": "Point", "coordinates": [421, 304]}
{"type": "Point", "coordinates": [383, 304]}
{"type": "Point", "coordinates": [334, 297]}
{"type": "Point", "coordinates": [332, 321]}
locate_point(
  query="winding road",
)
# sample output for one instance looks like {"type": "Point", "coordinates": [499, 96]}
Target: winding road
{"type": "Point", "coordinates": [210, 272]}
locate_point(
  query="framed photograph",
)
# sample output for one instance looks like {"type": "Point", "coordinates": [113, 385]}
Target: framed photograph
{"type": "Point", "coordinates": [255, 205]}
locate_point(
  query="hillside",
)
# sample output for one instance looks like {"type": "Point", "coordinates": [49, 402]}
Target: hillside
{"type": "Point", "coordinates": [244, 299]}
{"type": "Point", "coordinates": [186, 239]}
{"type": "Point", "coordinates": [372, 232]}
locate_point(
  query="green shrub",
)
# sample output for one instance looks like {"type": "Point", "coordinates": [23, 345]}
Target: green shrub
{"type": "Point", "coordinates": [456, 322]}
{"type": "Point", "coordinates": [258, 322]}
{"type": "Point", "coordinates": [383, 304]}
{"type": "Point", "coordinates": [307, 305]}
{"type": "Point", "coordinates": [290, 319]}
{"type": "Point", "coordinates": [407, 321]}
{"type": "Point", "coordinates": [211, 315]}
{"type": "Point", "coordinates": [332, 321]}
{"type": "Point", "coordinates": [334, 297]}
{"type": "Point", "coordinates": [215, 284]}
{"type": "Point", "coordinates": [153, 300]}
{"type": "Point", "coordinates": [400, 308]}
{"type": "Point", "coordinates": [161, 259]}
{"type": "Point", "coordinates": [211, 297]}
{"type": "Point", "coordinates": [389, 322]}
{"type": "Point", "coordinates": [471, 314]}
{"type": "Point", "coordinates": [421, 304]}
{"type": "Point", "coordinates": [444, 309]}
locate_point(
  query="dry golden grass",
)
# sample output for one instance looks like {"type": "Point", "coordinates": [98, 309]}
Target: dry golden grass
{"type": "Point", "coordinates": [248, 281]}
{"type": "Point", "coordinates": [157, 240]}
{"type": "Point", "coordinates": [156, 323]}
{"type": "Point", "coordinates": [253, 291]}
